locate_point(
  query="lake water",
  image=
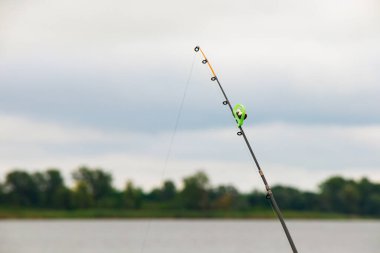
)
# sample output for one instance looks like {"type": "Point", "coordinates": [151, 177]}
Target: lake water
{"type": "Point", "coordinates": [186, 236]}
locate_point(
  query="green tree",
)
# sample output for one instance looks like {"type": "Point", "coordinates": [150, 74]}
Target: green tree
{"type": "Point", "coordinates": [168, 191]}
{"type": "Point", "coordinates": [311, 200]}
{"type": "Point", "coordinates": [97, 183]}
{"type": "Point", "coordinates": [57, 195]}
{"type": "Point", "coordinates": [52, 189]}
{"type": "Point", "coordinates": [350, 197]}
{"type": "Point", "coordinates": [369, 201]}
{"type": "Point", "coordinates": [132, 196]}
{"type": "Point", "coordinates": [373, 206]}
{"type": "Point", "coordinates": [330, 198]}
{"type": "Point", "coordinates": [40, 182]}
{"type": "Point", "coordinates": [21, 189]}
{"type": "Point", "coordinates": [289, 198]}
{"type": "Point", "coordinates": [2, 195]}
{"type": "Point", "coordinates": [154, 195]}
{"type": "Point", "coordinates": [81, 196]}
{"type": "Point", "coordinates": [340, 195]}
{"type": "Point", "coordinates": [257, 200]}
{"type": "Point", "coordinates": [195, 192]}
{"type": "Point", "coordinates": [225, 197]}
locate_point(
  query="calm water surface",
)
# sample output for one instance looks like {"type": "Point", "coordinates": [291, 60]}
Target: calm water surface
{"type": "Point", "coordinates": [186, 236]}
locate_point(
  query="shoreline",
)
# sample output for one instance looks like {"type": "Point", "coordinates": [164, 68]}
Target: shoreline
{"type": "Point", "coordinates": [170, 214]}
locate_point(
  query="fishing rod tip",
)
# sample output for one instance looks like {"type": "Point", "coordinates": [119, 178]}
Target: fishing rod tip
{"type": "Point", "coordinates": [196, 49]}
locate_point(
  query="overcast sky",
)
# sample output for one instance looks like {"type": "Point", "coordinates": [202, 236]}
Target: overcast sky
{"type": "Point", "coordinates": [99, 83]}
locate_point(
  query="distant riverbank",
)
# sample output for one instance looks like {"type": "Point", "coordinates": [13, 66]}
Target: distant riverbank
{"type": "Point", "coordinates": [136, 214]}
{"type": "Point", "coordinates": [45, 195]}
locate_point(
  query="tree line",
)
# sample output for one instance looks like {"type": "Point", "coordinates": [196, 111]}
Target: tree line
{"type": "Point", "coordinates": [93, 189]}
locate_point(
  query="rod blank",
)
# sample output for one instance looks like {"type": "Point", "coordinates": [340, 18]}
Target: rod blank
{"type": "Point", "coordinates": [241, 132]}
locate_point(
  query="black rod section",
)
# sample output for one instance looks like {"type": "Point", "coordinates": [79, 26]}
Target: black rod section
{"type": "Point", "coordinates": [270, 195]}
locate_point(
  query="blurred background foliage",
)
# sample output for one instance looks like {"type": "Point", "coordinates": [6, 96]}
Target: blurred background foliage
{"type": "Point", "coordinates": [93, 189]}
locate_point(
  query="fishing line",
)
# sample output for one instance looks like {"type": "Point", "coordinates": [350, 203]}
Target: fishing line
{"type": "Point", "coordinates": [178, 118]}
{"type": "Point", "coordinates": [163, 171]}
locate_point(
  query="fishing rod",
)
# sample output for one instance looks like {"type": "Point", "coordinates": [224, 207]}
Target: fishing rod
{"type": "Point", "coordinates": [239, 114]}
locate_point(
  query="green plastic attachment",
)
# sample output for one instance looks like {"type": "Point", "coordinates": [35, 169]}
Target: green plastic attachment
{"type": "Point", "coordinates": [239, 114]}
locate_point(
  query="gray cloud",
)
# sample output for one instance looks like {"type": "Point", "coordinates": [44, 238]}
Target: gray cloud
{"type": "Point", "coordinates": [115, 99]}
{"type": "Point", "coordinates": [301, 68]}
